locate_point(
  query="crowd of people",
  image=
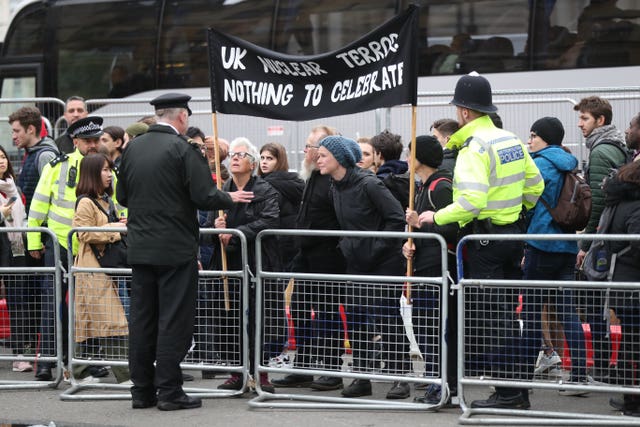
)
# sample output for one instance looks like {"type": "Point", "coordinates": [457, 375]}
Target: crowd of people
{"type": "Point", "coordinates": [162, 180]}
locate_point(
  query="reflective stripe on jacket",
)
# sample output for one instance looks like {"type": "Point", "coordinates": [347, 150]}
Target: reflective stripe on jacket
{"type": "Point", "coordinates": [493, 178]}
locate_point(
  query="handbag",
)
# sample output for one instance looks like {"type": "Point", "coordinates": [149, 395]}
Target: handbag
{"type": "Point", "coordinates": [114, 254]}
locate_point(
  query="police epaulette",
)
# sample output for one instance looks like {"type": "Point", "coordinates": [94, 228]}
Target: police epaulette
{"type": "Point", "coordinates": [61, 158]}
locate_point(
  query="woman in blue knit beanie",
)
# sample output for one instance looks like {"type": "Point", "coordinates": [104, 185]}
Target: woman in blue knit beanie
{"type": "Point", "coordinates": [363, 203]}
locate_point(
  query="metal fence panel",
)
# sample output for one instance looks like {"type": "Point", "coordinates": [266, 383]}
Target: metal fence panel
{"type": "Point", "coordinates": [349, 327]}
{"type": "Point", "coordinates": [500, 332]}
{"type": "Point", "coordinates": [33, 301]}
{"type": "Point", "coordinates": [219, 341]}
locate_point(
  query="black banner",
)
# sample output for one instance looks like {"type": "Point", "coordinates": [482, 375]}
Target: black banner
{"type": "Point", "coordinates": [378, 70]}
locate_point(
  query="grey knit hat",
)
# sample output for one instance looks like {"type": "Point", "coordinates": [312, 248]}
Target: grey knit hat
{"type": "Point", "coordinates": [345, 150]}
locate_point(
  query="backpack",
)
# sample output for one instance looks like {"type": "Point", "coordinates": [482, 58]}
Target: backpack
{"type": "Point", "coordinates": [432, 187]}
{"type": "Point", "coordinates": [399, 187]}
{"type": "Point", "coordinates": [599, 262]}
{"type": "Point", "coordinates": [573, 208]}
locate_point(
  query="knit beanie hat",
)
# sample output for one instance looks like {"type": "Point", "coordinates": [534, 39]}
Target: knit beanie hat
{"type": "Point", "coordinates": [428, 151]}
{"type": "Point", "coordinates": [345, 150]}
{"type": "Point", "coordinates": [550, 129]}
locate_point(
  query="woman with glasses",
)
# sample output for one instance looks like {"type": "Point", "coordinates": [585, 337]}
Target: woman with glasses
{"type": "Point", "coordinates": [260, 214]}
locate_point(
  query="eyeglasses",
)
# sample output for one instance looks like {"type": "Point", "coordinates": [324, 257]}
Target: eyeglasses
{"type": "Point", "coordinates": [309, 146]}
{"type": "Point", "coordinates": [240, 155]}
{"type": "Point", "coordinates": [532, 135]}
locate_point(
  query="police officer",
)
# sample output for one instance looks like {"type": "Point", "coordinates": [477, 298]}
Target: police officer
{"type": "Point", "coordinates": [53, 204]}
{"type": "Point", "coordinates": [494, 178]}
{"type": "Point", "coordinates": [163, 180]}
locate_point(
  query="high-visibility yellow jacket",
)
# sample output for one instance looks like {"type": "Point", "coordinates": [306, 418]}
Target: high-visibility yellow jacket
{"type": "Point", "coordinates": [54, 200]}
{"type": "Point", "coordinates": [494, 176]}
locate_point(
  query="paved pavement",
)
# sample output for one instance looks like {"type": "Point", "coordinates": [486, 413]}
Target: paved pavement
{"type": "Point", "coordinates": [44, 406]}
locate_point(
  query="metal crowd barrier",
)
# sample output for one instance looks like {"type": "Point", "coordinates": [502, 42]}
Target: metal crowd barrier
{"type": "Point", "coordinates": [96, 350]}
{"type": "Point", "coordinates": [372, 345]}
{"type": "Point", "coordinates": [511, 309]}
{"type": "Point", "coordinates": [33, 297]}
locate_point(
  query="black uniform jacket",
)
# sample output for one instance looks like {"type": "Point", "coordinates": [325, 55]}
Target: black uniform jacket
{"type": "Point", "coordinates": [163, 180]}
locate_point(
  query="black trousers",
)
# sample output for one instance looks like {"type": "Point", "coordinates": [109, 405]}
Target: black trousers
{"type": "Point", "coordinates": [163, 307]}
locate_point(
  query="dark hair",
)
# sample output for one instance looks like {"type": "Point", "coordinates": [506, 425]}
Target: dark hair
{"type": "Point", "coordinates": [388, 144]}
{"type": "Point", "coordinates": [116, 132]}
{"type": "Point", "coordinates": [28, 116]}
{"type": "Point", "coordinates": [446, 127]}
{"type": "Point", "coordinates": [9, 172]}
{"type": "Point", "coordinates": [278, 151]}
{"type": "Point", "coordinates": [630, 173]}
{"type": "Point", "coordinates": [90, 183]}
{"type": "Point", "coordinates": [193, 132]}
{"type": "Point", "coordinates": [595, 106]}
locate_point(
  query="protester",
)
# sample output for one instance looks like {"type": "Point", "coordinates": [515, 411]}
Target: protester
{"type": "Point", "coordinates": [443, 129]}
{"type": "Point", "coordinates": [622, 191]}
{"type": "Point", "coordinates": [163, 181]}
{"type": "Point", "coordinates": [362, 202]}
{"type": "Point", "coordinates": [274, 168]}
{"type": "Point", "coordinates": [26, 125]}
{"type": "Point", "coordinates": [607, 150]}
{"type": "Point", "coordinates": [489, 201]}
{"type": "Point", "coordinates": [261, 213]}
{"type": "Point", "coordinates": [316, 301]}
{"type": "Point", "coordinates": [53, 204]}
{"type": "Point", "coordinates": [553, 259]}
{"type": "Point", "coordinates": [367, 161]}
{"type": "Point", "coordinates": [113, 140]}
{"type": "Point", "coordinates": [99, 313]}
{"type": "Point", "coordinates": [21, 296]}
{"type": "Point", "coordinates": [434, 193]}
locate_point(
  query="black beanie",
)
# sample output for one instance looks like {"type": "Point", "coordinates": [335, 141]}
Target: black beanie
{"type": "Point", "coordinates": [428, 151]}
{"type": "Point", "coordinates": [549, 129]}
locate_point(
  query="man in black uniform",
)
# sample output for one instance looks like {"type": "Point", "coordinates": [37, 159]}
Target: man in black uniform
{"type": "Point", "coordinates": [163, 180]}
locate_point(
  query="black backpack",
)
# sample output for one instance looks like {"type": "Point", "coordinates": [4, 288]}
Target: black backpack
{"type": "Point", "coordinates": [399, 187]}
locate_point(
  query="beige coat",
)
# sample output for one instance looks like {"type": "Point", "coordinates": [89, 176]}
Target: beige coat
{"type": "Point", "coordinates": [99, 312]}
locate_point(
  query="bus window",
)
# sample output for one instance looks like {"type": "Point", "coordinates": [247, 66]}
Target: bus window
{"type": "Point", "coordinates": [183, 57]}
{"type": "Point", "coordinates": [103, 52]}
{"type": "Point", "coordinates": [27, 37]}
{"type": "Point", "coordinates": [18, 87]}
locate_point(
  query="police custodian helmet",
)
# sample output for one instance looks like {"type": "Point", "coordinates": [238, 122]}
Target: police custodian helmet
{"type": "Point", "coordinates": [474, 92]}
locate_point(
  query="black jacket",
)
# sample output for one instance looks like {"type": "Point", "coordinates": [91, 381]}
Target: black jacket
{"type": "Point", "coordinates": [364, 203]}
{"type": "Point", "coordinates": [289, 186]}
{"type": "Point", "coordinates": [427, 260]}
{"type": "Point", "coordinates": [164, 180]}
{"type": "Point", "coordinates": [251, 218]}
{"type": "Point", "coordinates": [626, 220]}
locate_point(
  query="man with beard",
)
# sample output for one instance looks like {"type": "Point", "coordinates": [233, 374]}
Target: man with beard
{"type": "Point", "coordinates": [54, 204]}
{"type": "Point", "coordinates": [632, 136]}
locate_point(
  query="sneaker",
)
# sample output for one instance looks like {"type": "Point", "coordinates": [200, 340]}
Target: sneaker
{"type": "Point", "coordinates": [22, 366]}
{"type": "Point", "coordinates": [281, 361]}
{"type": "Point", "coordinates": [588, 380]}
{"type": "Point", "coordinates": [234, 382]}
{"type": "Point", "coordinates": [546, 362]}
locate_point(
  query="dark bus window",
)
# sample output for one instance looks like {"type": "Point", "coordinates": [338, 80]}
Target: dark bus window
{"type": "Point", "coordinates": [301, 28]}
{"type": "Point", "coordinates": [183, 46]}
{"type": "Point", "coordinates": [27, 37]}
{"type": "Point", "coordinates": [520, 35]}
{"type": "Point", "coordinates": [106, 49]}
